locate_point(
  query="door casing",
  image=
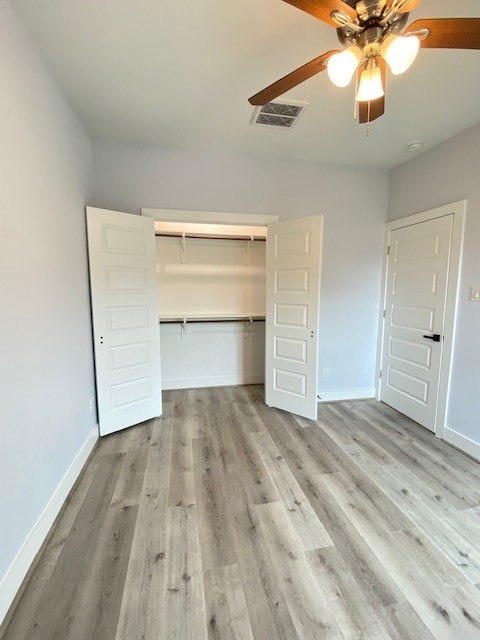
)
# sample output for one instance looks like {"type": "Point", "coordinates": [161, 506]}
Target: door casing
{"type": "Point", "coordinates": [458, 209]}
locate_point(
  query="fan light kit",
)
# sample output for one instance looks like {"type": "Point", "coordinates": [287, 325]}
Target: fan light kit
{"type": "Point", "coordinates": [372, 33]}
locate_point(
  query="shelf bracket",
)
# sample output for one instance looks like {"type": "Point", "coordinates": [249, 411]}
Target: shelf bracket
{"type": "Point", "coordinates": [183, 247]}
{"type": "Point", "coordinates": [183, 329]}
{"type": "Point", "coordinates": [248, 246]}
{"type": "Point", "coordinates": [247, 326]}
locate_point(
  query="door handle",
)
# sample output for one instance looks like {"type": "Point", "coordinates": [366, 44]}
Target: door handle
{"type": "Point", "coordinates": [436, 337]}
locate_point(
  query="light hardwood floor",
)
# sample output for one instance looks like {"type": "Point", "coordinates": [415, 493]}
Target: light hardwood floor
{"type": "Point", "coordinates": [226, 519]}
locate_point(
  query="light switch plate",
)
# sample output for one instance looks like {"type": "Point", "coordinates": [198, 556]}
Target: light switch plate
{"type": "Point", "coordinates": [475, 293]}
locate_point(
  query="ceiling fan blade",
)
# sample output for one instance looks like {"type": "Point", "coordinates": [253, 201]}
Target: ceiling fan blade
{"type": "Point", "coordinates": [376, 109]}
{"type": "Point", "coordinates": [291, 80]}
{"type": "Point", "coordinates": [407, 7]}
{"type": "Point", "coordinates": [322, 9]}
{"type": "Point", "coordinates": [449, 33]}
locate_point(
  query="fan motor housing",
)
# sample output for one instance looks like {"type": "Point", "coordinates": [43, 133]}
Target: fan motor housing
{"type": "Point", "coordinates": [369, 14]}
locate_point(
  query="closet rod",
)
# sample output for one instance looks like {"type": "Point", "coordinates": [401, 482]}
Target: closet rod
{"type": "Point", "coordinates": [211, 319]}
{"type": "Point", "coordinates": [210, 237]}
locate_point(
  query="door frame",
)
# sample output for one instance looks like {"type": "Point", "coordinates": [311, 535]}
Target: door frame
{"type": "Point", "coordinates": [209, 217]}
{"type": "Point", "coordinates": [217, 218]}
{"type": "Point", "coordinates": [458, 209]}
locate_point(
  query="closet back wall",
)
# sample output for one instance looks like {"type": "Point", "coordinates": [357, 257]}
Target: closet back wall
{"type": "Point", "coordinates": [353, 201]}
{"type": "Point", "coordinates": [216, 278]}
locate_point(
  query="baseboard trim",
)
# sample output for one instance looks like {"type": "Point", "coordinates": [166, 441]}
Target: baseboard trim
{"type": "Point", "coordinates": [221, 381]}
{"type": "Point", "coordinates": [17, 571]}
{"type": "Point", "coordinates": [345, 394]}
{"type": "Point", "coordinates": [462, 442]}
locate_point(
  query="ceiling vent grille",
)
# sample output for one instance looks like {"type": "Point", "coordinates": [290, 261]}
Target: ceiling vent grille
{"type": "Point", "coordinates": [280, 114]}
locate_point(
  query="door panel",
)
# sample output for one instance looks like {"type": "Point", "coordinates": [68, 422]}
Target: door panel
{"type": "Point", "coordinates": [291, 349]}
{"type": "Point", "coordinates": [417, 273]}
{"type": "Point", "coordinates": [291, 315]}
{"type": "Point", "coordinates": [293, 290]}
{"type": "Point", "coordinates": [125, 318]}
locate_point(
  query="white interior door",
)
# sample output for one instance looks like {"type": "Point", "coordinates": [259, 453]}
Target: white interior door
{"type": "Point", "coordinates": [416, 292]}
{"type": "Point", "coordinates": [125, 318]}
{"type": "Point", "coordinates": [294, 249]}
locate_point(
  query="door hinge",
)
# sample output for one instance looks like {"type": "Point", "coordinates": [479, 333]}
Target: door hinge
{"type": "Point", "coordinates": [384, 313]}
{"type": "Point", "coordinates": [388, 250]}
{"type": "Point", "coordinates": [380, 374]}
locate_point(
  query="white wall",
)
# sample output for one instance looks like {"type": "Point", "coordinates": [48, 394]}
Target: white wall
{"type": "Point", "coordinates": [214, 279]}
{"type": "Point", "coordinates": [447, 173]}
{"type": "Point", "coordinates": [46, 351]}
{"type": "Point", "coordinates": [354, 201]}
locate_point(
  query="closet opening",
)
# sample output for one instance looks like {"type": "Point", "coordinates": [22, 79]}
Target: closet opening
{"type": "Point", "coordinates": [211, 295]}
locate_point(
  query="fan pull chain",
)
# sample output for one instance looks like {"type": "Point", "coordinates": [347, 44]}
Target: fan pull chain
{"type": "Point", "coordinates": [368, 119]}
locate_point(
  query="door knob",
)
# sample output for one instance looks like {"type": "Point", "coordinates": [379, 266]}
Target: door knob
{"type": "Point", "coordinates": [436, 337]}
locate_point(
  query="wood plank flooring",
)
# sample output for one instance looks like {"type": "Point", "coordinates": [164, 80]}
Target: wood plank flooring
{"type": "Point", "coordinates": [226, 519]}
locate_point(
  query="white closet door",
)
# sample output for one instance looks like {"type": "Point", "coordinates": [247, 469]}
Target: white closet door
{"type": "Point", "coordinates": [294, 250]}
{"type": "Point", "coordinates": [125, 318]}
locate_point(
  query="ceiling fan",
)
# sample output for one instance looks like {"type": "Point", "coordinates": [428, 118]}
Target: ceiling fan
{"type": "Point", "coordinates": [373, 36]}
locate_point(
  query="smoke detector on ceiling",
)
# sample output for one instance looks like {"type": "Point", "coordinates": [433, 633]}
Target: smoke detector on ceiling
{"type": "Point", "coordinates": [415, 146]}
{"type": "Point", "coordinates": [281, 113]}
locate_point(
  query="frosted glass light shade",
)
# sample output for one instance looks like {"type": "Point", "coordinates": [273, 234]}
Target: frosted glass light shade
{"type": "Point", "coordinates": [341, 66]}
{"type": "Point", "coordinates": [400, 52]}
{"type": "Point", "coordinates": [370, 87]}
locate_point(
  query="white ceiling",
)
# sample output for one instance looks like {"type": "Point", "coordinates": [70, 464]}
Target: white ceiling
{"type": "Point", "coordinates": [178, 74]}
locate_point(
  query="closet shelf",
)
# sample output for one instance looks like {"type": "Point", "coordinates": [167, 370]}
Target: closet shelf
{"type": "Point", "coordinates": [197, 319]}
{"type": "Point", "coordinates": [210, 237]}
{"type": "Point", "coordinates": [244, 233]}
